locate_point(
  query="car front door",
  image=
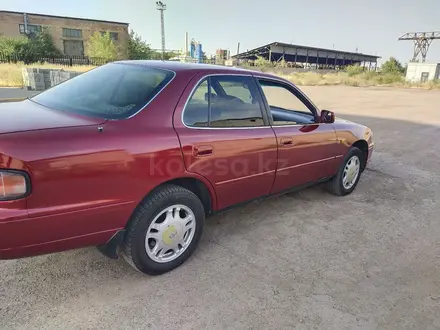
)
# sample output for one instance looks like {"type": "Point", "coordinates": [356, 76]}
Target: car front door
{"type": "Point", "coordinates": [225, 136]}
{"type": "Point", "coordinates": [307, 149]}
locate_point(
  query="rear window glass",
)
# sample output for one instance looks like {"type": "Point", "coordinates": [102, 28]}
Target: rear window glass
{"type": "Point", "coordinates": [112, 91]}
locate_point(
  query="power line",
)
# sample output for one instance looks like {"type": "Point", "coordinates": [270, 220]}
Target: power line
{"type": "Point", "coordinates": [162, 7]}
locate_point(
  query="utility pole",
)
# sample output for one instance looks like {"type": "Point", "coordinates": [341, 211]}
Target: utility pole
{"type": "Point", "coordinates": [161, 7]}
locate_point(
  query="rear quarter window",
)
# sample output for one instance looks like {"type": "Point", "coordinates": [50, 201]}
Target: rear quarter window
{"type": "Point", "coordinates": [112, 91]}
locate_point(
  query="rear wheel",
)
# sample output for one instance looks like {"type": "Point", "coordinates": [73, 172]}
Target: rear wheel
{"type": "Point", "coordinates": [164, 231]}
{"type": "Point", "coordinates": [348, 174]}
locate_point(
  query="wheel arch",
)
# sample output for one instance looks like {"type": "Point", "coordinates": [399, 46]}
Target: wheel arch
{"type": "Point", "coordinates": [199, 188]}
{"type": "Point", "coordinates": [363, 146]}
{"type": "Point", "coordinates": [202, 189]}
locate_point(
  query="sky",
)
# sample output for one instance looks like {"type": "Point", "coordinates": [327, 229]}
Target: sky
{"type": "Point", "coordinates": [372, 26]}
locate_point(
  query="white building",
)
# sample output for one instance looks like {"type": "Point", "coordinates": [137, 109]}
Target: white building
{"type": "Point", "coordinates": [422, 72]}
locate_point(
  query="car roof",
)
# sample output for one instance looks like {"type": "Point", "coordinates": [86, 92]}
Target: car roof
{"type": "Point", "coordinates": [180, 66]}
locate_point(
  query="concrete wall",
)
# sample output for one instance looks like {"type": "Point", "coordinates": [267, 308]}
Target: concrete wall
{"type": "Point", "coordinates": [9, 27]}
{"type": "Point", "coordinates": [35, 79]}
{"type": "Point", "coordinates": [415, 70]}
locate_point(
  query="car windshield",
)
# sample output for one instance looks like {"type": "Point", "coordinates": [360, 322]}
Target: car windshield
{"type": "Point", "coordinates": [112, 91]}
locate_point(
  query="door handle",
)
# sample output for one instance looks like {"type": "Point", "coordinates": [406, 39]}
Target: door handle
{"type": "Point", "coordinates": [286, 141]}
{"type": "Point", "coordinates": [205, 150]}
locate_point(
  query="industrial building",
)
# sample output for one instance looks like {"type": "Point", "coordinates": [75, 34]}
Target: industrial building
{"type": "Point", "coordinates": [308, 57]}
{"type": "Point", "coordinates": [417, 72]}
{"type": "Point", "coordinates": [70, 34]}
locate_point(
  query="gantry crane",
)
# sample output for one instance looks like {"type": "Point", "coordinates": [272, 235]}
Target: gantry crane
{"type": "Point", "coordinates": [422, 41]}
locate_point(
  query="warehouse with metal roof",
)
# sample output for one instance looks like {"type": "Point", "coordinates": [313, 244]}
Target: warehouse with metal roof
{"type": "Point", "coordinates": [305, 56]}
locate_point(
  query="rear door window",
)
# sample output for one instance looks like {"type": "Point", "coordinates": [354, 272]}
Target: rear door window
{"type": "Point", "coordinates": [225, 101]}
{"type": "Point", "coordinates": [112, 91]}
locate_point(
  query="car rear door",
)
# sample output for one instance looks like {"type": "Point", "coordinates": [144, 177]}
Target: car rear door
{"type": "Point", "coordinates": [307, 149]}
{"type": "Point", "coordinates": [225, 136]}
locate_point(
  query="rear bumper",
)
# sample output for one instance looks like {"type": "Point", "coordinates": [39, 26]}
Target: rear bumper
{"type": "Point", "coordinates": [56, 246]}
{"type": "Point", "coordinates": [10, 212]}
{"type": "Point", "coordinates": [23, 236]}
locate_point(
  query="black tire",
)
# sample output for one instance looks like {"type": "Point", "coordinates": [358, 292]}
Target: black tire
{"type": "Point", "coordinates": [134, 250]}
{"type": "Point", "coordinates": [335, 185]}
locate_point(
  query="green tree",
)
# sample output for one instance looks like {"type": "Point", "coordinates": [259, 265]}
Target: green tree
{"type": "Point", "coordinates": [205, 57]}
{"type": "Point", "coordinates": [157, 55]}
{"type": "Point", "coordinates": [354, 70]}
{"type": "Point", "coordinates": [392, 66]}
{"type": "Point", "coordinates": [43, 43]}
{"type": "Point", "coordinates": [169, 55]}
{"type": "Point", "coordinates": [12, 46]}
{"type": "Point", "coordinates": [261, 62]}
{"type": "Point", "coordinates": [138, 49]}
{"type": "Point", "coordinates": [101, 45]}
{"type": "Point", "coordinates": [31, 48]}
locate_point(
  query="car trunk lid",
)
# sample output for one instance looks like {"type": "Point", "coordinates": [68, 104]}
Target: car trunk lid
{"type": "Point", "coordinates": [28, 116]}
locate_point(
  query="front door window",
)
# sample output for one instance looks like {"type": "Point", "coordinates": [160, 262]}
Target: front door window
{"type": "Point", "coordinates": [286, 108]}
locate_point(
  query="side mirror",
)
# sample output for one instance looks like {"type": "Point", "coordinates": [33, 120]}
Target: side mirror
{"type": "Point", "coordinates": [327, 117]}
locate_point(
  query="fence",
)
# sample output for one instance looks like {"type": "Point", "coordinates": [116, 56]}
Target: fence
{"type": "Point", "coordinates": [67, 60]}
{"type": "Point", "coordinates": [60, 60]}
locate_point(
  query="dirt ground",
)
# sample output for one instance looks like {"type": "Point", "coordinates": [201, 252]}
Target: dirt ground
{"type": "Point", "coordinates": [307, 260]}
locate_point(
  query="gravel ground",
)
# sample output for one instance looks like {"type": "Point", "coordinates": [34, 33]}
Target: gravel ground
{"type": "Point", "coordinates": [306, 260]}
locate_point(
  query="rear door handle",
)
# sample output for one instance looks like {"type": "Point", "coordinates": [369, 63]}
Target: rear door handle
{"type": "Point", "coordinates": [205, 150]}
{"type": "Point", "coordinates": [286, 141]}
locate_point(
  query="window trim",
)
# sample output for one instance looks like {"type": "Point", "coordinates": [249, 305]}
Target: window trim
{"type": "Point", "coordinates": [111, 33]}
{"type": "Point", "coordinates": [72, 29]}
{"type": "Point", "coordinates": [207, 76]}
{"type": "Point", "coordinates": [209, 99]}
{"type": "Point", "coordinates": [40, 27]}
{"type": "Point", "coordinates": [295, 91]}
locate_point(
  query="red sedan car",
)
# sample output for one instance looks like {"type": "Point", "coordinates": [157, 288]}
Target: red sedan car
{"type": "Point", "coordinates": [132, 156]}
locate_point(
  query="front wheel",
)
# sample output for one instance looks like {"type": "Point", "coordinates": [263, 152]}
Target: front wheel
{"type": "Point", "coordinates": [348, 174]}
{"type": "Point", "coordinates": [164, 231]}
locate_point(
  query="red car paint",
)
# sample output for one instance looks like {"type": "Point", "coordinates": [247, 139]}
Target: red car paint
{"type": "Point", "coordinates": [88, 175]}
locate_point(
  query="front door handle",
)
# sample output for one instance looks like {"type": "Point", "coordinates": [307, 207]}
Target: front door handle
{"type": "Point", "coordinates": [205, 150]}
{"type": "Point", "coordinates": [286, 141]}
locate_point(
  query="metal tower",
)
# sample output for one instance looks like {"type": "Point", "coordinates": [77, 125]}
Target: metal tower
{"type": "Point", "coordinates": [422, 41]}
{"type": "Point", "coordinates": [161, 7]}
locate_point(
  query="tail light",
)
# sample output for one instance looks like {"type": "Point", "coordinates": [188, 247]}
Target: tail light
{"type": "Point", "coordinates": [13, 185]}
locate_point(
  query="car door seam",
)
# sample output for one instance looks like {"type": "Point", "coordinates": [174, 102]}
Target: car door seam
{"type": "Point", "coordinates": [244, 177]}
